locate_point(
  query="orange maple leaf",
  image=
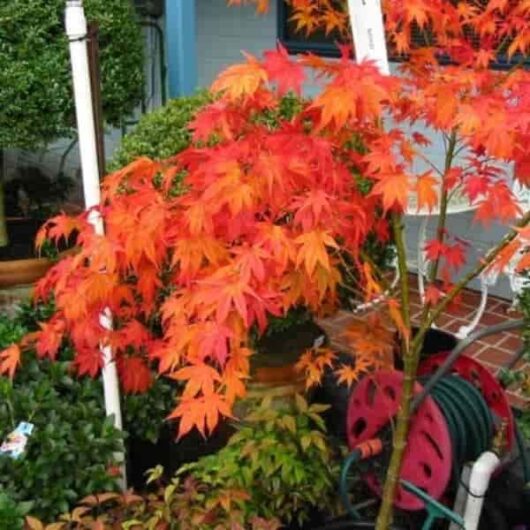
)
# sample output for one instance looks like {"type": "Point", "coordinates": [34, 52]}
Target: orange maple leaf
{"type": "Point", "coordinates": [312, 364]}
{"type": "Point", "coordinates": [241, 80]}
{"type": "Point", "coordinates": [10, 360]}
{"type": "Point", "coordinates": [200, 379]}
{"type": "Point", "coordinates": [393, 189]}
{"type": "Point", "coordinates": [313, 251]}
{"type": "Point", "coordinates": [427, 189]}
{"type": "Point", "coordinates": [201, 412]}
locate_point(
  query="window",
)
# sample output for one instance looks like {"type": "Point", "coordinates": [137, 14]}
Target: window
{"type": "Point", "coordinates": [298, 42]}
{"type": "Point", "coordinates": [325, 45]}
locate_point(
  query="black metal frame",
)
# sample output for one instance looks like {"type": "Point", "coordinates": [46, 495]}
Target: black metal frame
{"type": "Point", "coordinates": [299, 45]}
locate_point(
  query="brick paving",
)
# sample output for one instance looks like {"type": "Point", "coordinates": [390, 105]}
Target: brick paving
{"type": "Point", "coordinates": [493, 352]}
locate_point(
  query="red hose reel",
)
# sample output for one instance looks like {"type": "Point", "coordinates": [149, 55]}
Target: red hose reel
{"type": "Point", "coordinates": [428, 459]}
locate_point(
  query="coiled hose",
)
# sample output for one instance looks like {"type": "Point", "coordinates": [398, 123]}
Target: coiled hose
{"type": "Point", "coordinates": [469, 421]}
{"type": "Point", "coordinates": [468, 418]}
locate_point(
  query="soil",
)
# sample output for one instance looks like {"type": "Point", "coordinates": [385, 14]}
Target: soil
{"type": "Point", "coordinates": [284, 348]}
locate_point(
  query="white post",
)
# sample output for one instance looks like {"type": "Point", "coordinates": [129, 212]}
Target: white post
{"type": "Point", "coordinates": [76, 30]}
{"type": "Point", "coordinates": [366, 18]}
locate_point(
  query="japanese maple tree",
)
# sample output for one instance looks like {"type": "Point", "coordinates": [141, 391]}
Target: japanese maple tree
{"type": "Point", "coordinates": [268, 210]}
{"type": "Point", "coordinates": [446, 84]}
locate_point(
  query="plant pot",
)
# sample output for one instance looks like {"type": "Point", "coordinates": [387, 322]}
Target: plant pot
{"type": "Point", "coordinates": [272, 375]}
{"type": "Point", "coordinates": [272, 368]}
{"type": "Point", "coordinates": [435, 341]}
{"type": "Point", "coordinates": [18, 266]}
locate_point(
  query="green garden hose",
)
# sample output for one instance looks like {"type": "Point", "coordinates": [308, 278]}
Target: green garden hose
{"type": "Point", "coordinates": [469, 422]}
{"type": "Point", "coordinates": [468, 418]}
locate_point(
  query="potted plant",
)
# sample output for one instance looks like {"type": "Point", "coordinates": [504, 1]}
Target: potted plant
{"type": "Point", "coordinates": [36, 99]}
{"type": "Point", "coordinates": [278, 470]}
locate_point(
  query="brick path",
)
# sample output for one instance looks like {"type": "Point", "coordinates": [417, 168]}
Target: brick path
{"type": "Point", "coordinates": [493, 351]}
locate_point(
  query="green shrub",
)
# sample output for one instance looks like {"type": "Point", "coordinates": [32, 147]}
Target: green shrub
{"type": "Point", "coordinates": [71, 449]}
{"type": "Point", "coordinates": [12, 513]}
{"type": "Point", "coordinates": [161, 133]}
{"type": "Point", "coordinates": [279, 466]}
{"type": "Point", "coordinates": [281, 457]}
{"type": "Point", "coordinates": [36, 101]}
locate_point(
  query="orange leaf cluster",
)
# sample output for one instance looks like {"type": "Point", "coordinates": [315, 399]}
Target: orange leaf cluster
{"type": "Point", "coordinates": [269, 209]}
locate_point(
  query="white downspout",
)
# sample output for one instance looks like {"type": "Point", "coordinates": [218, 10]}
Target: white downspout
{"type": "Point", "coordinates": [479, 481]}
{"type": "Point", "coordinates": [76, 30]}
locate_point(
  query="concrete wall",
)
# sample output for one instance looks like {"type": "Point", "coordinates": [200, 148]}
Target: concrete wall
{"type": "Point", "coordinates": [221, 35]}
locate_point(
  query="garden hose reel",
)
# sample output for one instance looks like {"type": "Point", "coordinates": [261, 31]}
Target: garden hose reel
{"type": "Point", "coordinates": [465, 414]}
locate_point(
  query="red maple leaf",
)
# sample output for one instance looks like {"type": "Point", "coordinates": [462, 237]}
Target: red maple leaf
{"type": "Point", "coordinates": [288, 74]}
{"type": "Point", "coordinates": [135, 375]}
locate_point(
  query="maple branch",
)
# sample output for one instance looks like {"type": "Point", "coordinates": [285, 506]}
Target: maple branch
{"type": "Point", "coordinates": [411, 355]}
{"type": "Point", "coordinates": [397, 227]}
{"type": "Point", "coordinates": [385, 284]}
{"type": "Point", "coordinates": [402, 421]}
{"type": "Point", "coordinates": [444, 203]}
{"type": "Point", "coordinates": [430, 163]}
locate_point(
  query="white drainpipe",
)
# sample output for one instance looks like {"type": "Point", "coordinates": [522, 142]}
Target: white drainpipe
{"type": "Point", "coordinates": [479, 481]}
{"type": "Point", "coordinates": [76, 30]}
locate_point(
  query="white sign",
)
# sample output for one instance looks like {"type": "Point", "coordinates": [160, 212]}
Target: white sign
{"type": "Point", "coordinates": [366, 17]}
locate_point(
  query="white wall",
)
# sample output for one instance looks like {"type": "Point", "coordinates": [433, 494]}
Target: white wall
{"type": "Point", "coordinates": [223, 33]}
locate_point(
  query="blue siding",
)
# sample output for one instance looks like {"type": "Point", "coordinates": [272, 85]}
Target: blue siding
{"type": "Point", "coordinates": [182, 46]}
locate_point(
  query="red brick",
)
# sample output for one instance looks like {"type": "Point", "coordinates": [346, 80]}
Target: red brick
{"type": "Point", "coordinates": [444, 320]}
{"type": "Point", "coordinates": [511, 343]}
{"type": "Point", "coordinates": [491, 318]}
{"type": "Point", "coordinates": [494, 356]}
{"type": "Point", "coordinates": [460, 311]}
{"type": "Point", "coordinates": [491, 367]}
{"type": "Point", "coordinates": [474, 349]}
{"type": "Point", "coordinates": [470, 298]}
{"type": "Point", "coordinates": [454, 325]}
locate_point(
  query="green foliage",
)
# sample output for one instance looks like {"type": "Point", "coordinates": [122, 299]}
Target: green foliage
{"type": "Point", "coordinates": [36, 101]}
{"type": "Point", "coordinates": [278, 466]}
{"type": "Point", "coordinates": [144, 414]}
{"type": "Point", "coordinates": [12, 513]}
{"type": "Point", "coordinates": [296, 316]}
{"type": "Point", "coordinates": [519, 377]}
{"type": "Point", "coordinates": [71, 449]}
{"type": "Point", "coordinates": [523, 303]}
{"type": "Point", "coordinates": [290, 106]}
{"type": "Point", "coordinates": [161, 133]}
{"type": "Point", "coordinates": [281, 457]}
